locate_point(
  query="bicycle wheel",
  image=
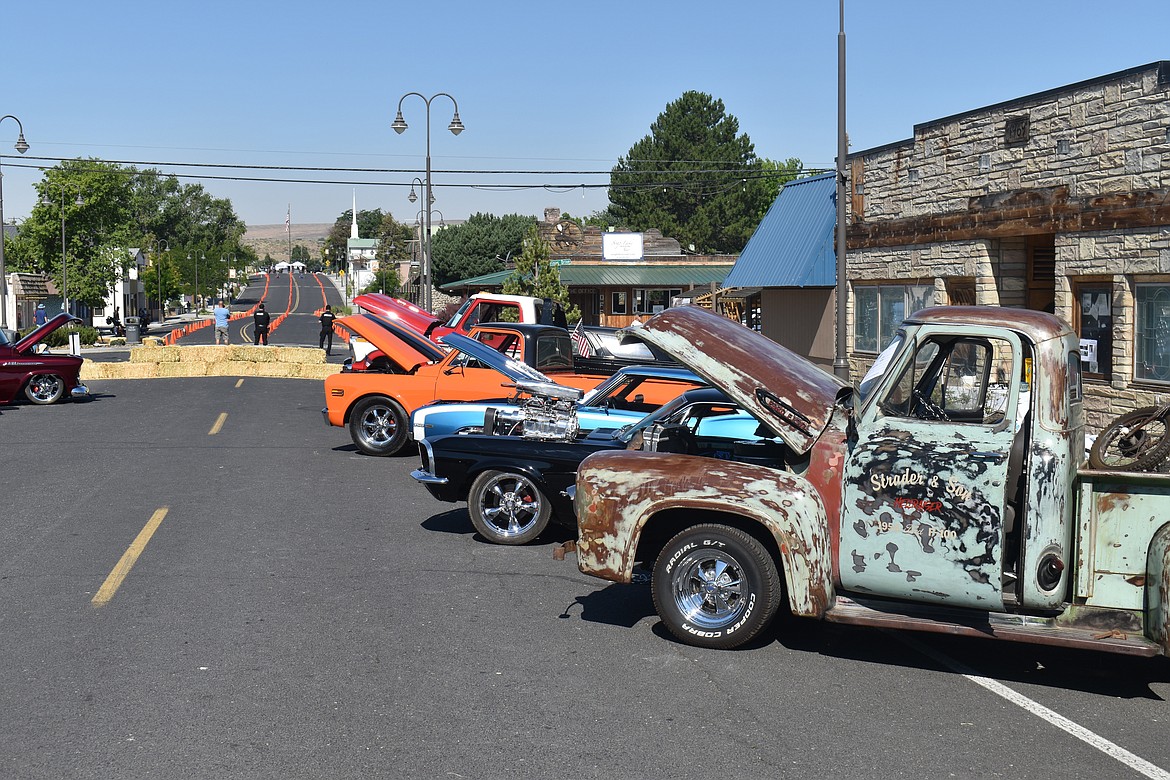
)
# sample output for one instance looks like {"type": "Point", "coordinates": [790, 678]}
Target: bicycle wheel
{"type": "Point", "coordinates": [1135, 441]}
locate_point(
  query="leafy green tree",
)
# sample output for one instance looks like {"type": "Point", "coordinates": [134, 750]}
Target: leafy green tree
{"type": "Point", "coordinates": [109, 209]}
{"type": "Point", "coordinates": [300, 253]}
{"type": "Point", "coordinates": [161, 265]}
{"type": "Point", "coordinates": [369, 226]}
{"type": "Point", "coordinates": [535, 275]}
{"type": "Point", "coordinates": [780, 173]}
{"type": "Point", "coordinates": [694, 177]}
{"type": "Point", "coordinates": [478, 246]}
{"type": "Point", "coordinates": [394, 239]}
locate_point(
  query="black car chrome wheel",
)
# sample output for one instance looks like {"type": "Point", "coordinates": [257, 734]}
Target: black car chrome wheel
{"type": "Point", "coordinates": [507, 508]}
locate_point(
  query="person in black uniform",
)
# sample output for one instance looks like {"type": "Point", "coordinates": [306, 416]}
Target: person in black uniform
{"type": "Point", "coordinates": [327, 318]}
{"type": "Point", "coordinates": [261, 320]}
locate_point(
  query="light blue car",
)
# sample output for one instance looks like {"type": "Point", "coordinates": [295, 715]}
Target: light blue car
{"type": "Point", "coordinates": [612, 404]}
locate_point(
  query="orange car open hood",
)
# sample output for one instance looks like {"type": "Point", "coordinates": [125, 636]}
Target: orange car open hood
{"type": "Point", "coordinates": [791, 395]}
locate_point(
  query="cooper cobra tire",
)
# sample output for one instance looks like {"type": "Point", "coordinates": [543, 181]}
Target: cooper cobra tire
{"type": "Point", "coordinates": [378, 426]}
{"type": "Point", "coordinates": [1122, 448]}
{"type": "Point", "coordinates": [715, 586]}
{"type": "Point", "coordinates": [44, 389]}
{"type": "Point", "coordinates": [507, 508]}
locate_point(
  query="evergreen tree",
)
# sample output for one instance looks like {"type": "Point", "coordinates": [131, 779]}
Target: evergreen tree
{"type": "Point", "coordinates": [694, 177]}
{"type": "Point", "coordinates": [536, 276]}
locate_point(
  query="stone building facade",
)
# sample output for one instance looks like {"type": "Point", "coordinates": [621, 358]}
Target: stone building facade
{"type": "Point", "coordinates": [1058, 201]}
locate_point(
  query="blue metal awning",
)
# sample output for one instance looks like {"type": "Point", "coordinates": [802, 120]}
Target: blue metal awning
{"type": "Point", "coordinates": [793, 245]}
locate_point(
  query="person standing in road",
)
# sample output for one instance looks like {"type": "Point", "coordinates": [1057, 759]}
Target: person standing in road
{"type": "Point", "coordinates": [222, 315]}
{"type": "Point", "coordinates": [327, 318]}
{"type": "Point", "coordinates": [261, 320]}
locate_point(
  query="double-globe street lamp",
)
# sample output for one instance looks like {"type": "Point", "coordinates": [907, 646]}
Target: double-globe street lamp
{"type": "Point", "coordinates": [153, 248]}
{"type": "Point", "coordinates": [456, 127]}
{"type": "Point", "coordinates": [61, 190]}
{"type": "Point", "coordinates": [21, 147]}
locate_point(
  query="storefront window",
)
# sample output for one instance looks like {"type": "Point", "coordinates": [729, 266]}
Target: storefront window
{"type": "Point", "coordinates": [1153, 332]}
{"type": "Point", "coordinates": [879, 310]}
{"type": "Point", "coordinates": [653, 301]}
{"type": "Point", "coordinates": [618, 303]}
{"type": "Point", "coordinates": [1094, 322]}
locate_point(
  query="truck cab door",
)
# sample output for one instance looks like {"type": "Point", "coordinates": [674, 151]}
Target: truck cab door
{"type": "Point", "coordinates": [924, 498]}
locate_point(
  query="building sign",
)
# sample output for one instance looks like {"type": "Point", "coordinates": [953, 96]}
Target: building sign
{"type": "Point", "coordinates": [621, 246]}
{"type": "Point", "coordinates": [1017, 130]}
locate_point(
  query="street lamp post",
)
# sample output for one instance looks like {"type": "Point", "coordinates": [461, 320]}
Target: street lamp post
{"type": "Point", "coordinates": [456, 127]}
{"type": "Point", "coordinates": [21, 147]}
{"type": "Point", "coordinates": [202, 256]}
{"type": "Point", "coordinates": [61, 189]}
{"type": "Point", "coordinates": [153, 247]}
{"type": "Point", "coordinates": [425, 243]}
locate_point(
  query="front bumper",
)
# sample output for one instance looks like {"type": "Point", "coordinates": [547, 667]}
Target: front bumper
{"type": "Point", "coordinates": [79, 393]}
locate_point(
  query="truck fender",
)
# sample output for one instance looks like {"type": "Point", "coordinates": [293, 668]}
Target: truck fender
{"type": "Point", "coordinates": [1158, 589]}
{"type": "Point", "coordinates": [620, 492]}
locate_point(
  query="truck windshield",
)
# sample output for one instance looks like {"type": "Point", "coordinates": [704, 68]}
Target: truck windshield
{"type": "Point", "coordinates": [458, 315]}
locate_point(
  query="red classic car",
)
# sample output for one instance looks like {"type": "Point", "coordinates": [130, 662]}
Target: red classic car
{"type": "Point", "coordinates": [44, 378]}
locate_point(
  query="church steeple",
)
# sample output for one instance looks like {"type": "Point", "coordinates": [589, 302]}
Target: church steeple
{"type": "Point", "coordinates": [353, 232]}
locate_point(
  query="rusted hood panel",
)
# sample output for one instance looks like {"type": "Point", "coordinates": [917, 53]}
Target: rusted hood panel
{"type": "Point", "coordinates": [395, 348]}
{"type": "Point", "coordinates": [790, 394]}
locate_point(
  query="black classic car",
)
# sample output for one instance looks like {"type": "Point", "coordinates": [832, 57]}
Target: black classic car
{"type": "Point", "coordinates": [513, 484]}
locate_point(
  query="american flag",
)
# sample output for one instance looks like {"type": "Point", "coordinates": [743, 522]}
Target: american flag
{"type": "Point", "coordinates": [580, 341]}
{"type": "Point", "coordinates": [288, 219]}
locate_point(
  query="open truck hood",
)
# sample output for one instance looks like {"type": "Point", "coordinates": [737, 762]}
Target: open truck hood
{"type": "Point", "coordinates": [791, 395]}
{"type": "Point", "coordinates": [25, 345]}
{"type": "Point", "coordinates": [403, 345]}
{"type": "Point", "coordinates": [396, 309]}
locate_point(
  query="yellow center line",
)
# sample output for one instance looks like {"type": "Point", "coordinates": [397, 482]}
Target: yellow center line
{"type": "Point", "coordinates": [114, 581]}
{"type": "Point", "coordinates": [239, 383]}
{"type": "Point", "coordinates": [219, 421]}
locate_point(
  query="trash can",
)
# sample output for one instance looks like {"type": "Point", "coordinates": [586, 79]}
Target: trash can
{"type": "Point", "coordinates": [133, 330]}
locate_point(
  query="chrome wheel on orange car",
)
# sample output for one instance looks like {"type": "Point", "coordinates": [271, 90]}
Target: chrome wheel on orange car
{"type": "Point", "coordinates": [378, 426]}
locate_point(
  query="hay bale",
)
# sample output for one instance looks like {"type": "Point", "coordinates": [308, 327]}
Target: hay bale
{"type": "Point", "coordinates": [318, 370]}
{"type": "Point", "coordinates": [254, 354]}
{"type": "Point", "coordinates": [300, 355]}
{"type": "Point", "coordinates": [184, 369]}
{"type": "Point", "coordinates": [154, 354]}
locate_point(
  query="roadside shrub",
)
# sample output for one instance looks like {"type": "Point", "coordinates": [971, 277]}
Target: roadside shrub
{"type": "Point", "coordinates": [60, 337]}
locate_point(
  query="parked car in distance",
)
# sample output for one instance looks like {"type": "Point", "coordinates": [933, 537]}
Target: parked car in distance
{"type": "Point", "coordinates": [513, 484]}
{"type": "Point", "coordinates": [42, 377]}
{"type": "Point", "coordinates": [627, 396]}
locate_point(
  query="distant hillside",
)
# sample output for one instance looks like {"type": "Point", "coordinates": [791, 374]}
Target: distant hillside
{"type": "Point", "coordinates": [272, 240]}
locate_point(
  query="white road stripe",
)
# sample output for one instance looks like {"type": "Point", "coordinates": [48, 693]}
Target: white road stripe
{"type": "Point", "coordinates": [1134, 762]}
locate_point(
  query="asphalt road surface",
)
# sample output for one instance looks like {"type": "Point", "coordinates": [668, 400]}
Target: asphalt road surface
{"type": "Point", "coordinates": [198, 579]}
{"type": "Point", "coordinates": [297, 295]}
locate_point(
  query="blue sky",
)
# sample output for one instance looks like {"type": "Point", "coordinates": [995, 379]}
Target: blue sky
{"type": "Point", "coordinates": [540, 86]}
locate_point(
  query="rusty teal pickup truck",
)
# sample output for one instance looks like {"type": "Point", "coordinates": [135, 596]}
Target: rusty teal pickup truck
{"type": "Point", "coordinates": [952, 497]}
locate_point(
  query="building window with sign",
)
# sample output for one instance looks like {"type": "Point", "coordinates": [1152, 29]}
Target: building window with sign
{"type": "Point", "coordinates": [618, 303]}
{"type": "Point", "coordinates": [1093, 321]}
{"type": "Point", "coordinates": [880, 309]}
{"type": "Point", "coordinates": [1152, 350]}
{"type": "Point", "coordinates": [653, 301]}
